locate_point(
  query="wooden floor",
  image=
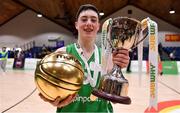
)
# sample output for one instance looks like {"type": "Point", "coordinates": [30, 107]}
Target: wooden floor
{"type": "Point", "coordinates": [15, 85]}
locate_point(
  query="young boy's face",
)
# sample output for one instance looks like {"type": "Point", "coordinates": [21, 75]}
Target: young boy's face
{"type": "Point", "coordinates": [87, 24]}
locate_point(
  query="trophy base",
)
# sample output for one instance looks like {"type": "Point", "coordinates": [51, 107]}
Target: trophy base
{"type": "Point", "coordinates": [112, 98]}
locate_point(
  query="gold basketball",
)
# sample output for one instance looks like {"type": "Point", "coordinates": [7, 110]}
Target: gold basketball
{"type": "Point", "coordinates": [58, 74]}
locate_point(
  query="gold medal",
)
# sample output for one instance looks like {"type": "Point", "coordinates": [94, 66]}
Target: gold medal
{"type": "Point", "coordinates": [93, 97]}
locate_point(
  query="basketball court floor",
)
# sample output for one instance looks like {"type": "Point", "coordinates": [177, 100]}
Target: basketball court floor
{"type": "Point", "coordinates": [17, 94]}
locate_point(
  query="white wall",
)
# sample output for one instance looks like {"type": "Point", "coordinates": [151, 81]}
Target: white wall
{"type": "Point", "coordinates": [27, 27]}
{"type": "Point", "coordinates": [163, 27]}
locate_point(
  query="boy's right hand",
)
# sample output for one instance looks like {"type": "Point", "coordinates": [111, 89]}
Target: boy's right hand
{"type": "Point", "coordinates": [58, 102]}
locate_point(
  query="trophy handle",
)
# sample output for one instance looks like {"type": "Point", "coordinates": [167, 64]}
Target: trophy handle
{"type": "Point", "coordinates": [144, 30]}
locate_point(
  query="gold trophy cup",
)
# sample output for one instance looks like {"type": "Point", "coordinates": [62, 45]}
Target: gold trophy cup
{"type": "Point", "coordinates": [123, 33]}
{"type": "Point", "coordinates": [58, 74]}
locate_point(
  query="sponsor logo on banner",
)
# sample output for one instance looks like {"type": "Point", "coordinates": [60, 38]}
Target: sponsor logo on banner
{"type": "Point", "coordinates": [172, 37]}
{"type": "Point", "coordinates": [153, 59]}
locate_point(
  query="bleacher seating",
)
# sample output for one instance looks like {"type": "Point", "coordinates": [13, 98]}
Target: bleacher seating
{"type": "Point", "coordinates": [167, 50]}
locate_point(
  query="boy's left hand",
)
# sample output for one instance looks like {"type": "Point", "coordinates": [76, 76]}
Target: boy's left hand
{"type": "Point", "coordinates": [121, 57]}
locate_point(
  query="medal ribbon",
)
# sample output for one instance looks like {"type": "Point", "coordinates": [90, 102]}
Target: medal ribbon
{"type": "Point", "coordinates": [96, 56]}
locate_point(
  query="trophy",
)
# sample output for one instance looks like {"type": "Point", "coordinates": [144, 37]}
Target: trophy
{"type": "Point", "coordinates": [122, 32]}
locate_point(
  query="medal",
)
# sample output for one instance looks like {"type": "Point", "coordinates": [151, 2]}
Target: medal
{"type": "Point", "coordinates": [93, 97]}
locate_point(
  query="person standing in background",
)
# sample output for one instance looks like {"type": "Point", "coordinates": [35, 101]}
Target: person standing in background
{"type": "Point", "coordinates": [3, 58]}
{"type": "Point", "coordinates": [131, 55]}
{"type": "Point", "coordinates": [172, 55]}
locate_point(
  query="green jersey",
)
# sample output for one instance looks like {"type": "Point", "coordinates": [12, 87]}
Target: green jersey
{"type": "Point", "coordinates": [83, 103]}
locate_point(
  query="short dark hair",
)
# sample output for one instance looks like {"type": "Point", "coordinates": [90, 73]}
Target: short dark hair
{"type": "Point", "coordinates": [86, 7]}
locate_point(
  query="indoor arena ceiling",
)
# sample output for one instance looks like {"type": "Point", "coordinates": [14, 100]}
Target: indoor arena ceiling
{"type": "Point", "coordinates": [63, 12]}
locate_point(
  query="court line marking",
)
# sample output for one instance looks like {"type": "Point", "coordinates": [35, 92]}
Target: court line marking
{"type": "Point", "coordinates": [169, 87]}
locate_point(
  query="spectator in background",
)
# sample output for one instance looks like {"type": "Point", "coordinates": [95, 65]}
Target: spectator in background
{"type": "Point", "coordinates": [131, 54]}
{"type": "Point", "coordinates": [163, 54]}
{"type": "Point", "coordinates": [44, 48]}
{"type": "Point", "coordinates": [3, 58]}
{"type": "Point", "coordinates": [172, 55]}
{"type": "Point", "coordinates": [160, 50]}
{"type": "Point", "coordinates": [44, 52]}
